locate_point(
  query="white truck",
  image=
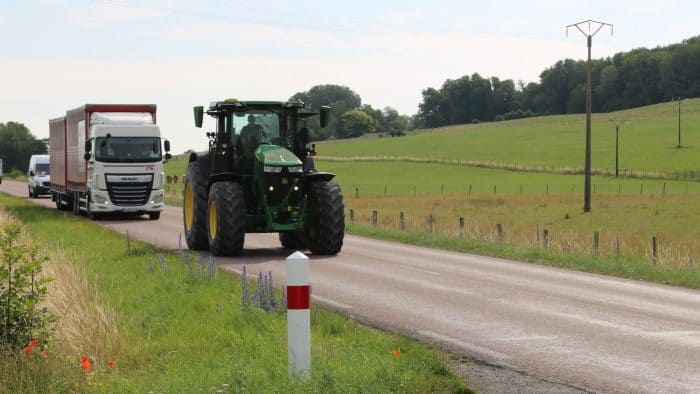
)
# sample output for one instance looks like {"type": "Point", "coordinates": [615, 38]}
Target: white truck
{"type": "Point", "coordinates": [107, 159]}
{"type": "Point", "coordinates": [0, 171]}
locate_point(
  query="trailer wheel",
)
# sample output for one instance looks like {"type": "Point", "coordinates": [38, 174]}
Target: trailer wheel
{"type": "Point", "coordinates": [226, 214]}
{"type": "Point", "coordinates": [154, 215]}
{"type": "Point", "coordinates": [326, 228]}
{"type": "Point", "coordinates": [293, 240]}
{"type": "Point", "coordinates": [194, 208]}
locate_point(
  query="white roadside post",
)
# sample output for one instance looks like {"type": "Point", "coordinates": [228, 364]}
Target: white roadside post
{"type": "Point", "coordinates": [298, 316]}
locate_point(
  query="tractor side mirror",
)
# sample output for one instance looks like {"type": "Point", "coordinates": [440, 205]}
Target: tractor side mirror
{"type": "Point", "coordinates": [198, 116]}
{"type": "Point", "coordinates": [166, 145]}
{"type": "Point", "coordinates": [304, 135]}
{"type": "Point", "coordinates": [325, 113]}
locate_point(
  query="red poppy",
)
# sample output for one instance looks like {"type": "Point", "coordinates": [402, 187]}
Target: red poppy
{"type": "Point", "coordinates": [27, 349]}
{"type": "Point", "coordinates": [33, 343]}
{"type": "Point", "coordinates": [111, 363]}
{"type": "Point", "coordinates": [85, 364]}
{"type": "Point", "coordinates": [396, 352]}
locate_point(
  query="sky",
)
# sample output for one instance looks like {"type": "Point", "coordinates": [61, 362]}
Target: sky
{"type": "Point", "coordinates": [57, 55]}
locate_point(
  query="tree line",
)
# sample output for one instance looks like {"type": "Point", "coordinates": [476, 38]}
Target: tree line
{"type": "Point", "coordinates": [17, 145]}
{"type": "Point", "coordinates": [626, 80]}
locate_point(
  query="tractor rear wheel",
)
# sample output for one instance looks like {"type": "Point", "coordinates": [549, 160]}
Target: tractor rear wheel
{"type": "Point", "coordinates": [194, 208]}
{"type": "Point", "coordinates": [293, 240]}
{"type": "Point", "coordinates": [326, 229]}
{"type": "Point", "coordinates": [226, 214]}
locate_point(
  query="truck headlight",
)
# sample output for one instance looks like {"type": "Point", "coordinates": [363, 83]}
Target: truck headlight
{"type": "Point", "coordinates": [100, 199]}
{"type": "Point", "coordinates": [157, 198]}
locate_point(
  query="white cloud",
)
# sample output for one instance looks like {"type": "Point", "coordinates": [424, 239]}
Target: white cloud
{"type": "Point", "coordinates": [99, 14]}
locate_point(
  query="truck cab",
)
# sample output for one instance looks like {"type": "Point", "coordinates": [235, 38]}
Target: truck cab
{"type": "Point", "coordinates": [39, 176]}
{"type": "Point", "coordinates": [124, 165]}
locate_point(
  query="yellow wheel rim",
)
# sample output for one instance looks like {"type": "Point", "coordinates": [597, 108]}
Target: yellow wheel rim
{"type": "Point", "coordinates": [212, 220]}
{"type": "Point", "coordinates": [189, 207]}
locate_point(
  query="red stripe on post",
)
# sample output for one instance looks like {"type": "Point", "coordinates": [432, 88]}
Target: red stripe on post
{"type": "Point", "coordinates": [298, 297]}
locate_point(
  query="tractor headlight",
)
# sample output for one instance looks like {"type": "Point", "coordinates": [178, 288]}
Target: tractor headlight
{"type": "Point", "coordinates": [272, 169]}
{"type": "Point", "coordinates": [294, 169]}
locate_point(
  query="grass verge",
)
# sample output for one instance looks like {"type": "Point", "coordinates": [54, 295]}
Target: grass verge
{"type": "Point", "coordinates": [183, 334]}
{"type": "Point", "coordinates": [632, 267]}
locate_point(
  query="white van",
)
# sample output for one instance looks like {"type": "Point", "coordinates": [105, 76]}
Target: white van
{"type": "Point", "coordinates": [38, 176]}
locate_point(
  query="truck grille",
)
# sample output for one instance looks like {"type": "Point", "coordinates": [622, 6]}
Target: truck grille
{"type": "Point", "coordinates": [129, 190]}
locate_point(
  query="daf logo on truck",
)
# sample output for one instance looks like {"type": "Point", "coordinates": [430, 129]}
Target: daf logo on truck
{"type": "Point", "coordinates": [107, 159]}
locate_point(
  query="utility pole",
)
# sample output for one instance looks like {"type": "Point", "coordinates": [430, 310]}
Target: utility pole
{"type": "Point", "coordinates": [593, 28]}
{"type": "Point", "coordinates": [617, 122]}
{"type": "Point", "coordinates": [679, 99]}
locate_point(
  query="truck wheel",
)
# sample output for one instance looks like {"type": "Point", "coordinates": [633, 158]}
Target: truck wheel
{"type": "Point", "coordinates": [326, 228]}
{"type": "Point", "coordinates": [29, 192]}
{"type": "Point", "coordinates": [154, 215]}
{"type": "Point", "coordinates": [226, 224]}
{"type": "Point", "coordinates": [194, 208]}
{"type": "Point", "coordinates": [293, 240]}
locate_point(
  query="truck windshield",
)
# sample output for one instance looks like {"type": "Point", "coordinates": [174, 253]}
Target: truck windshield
{"type": "Point", "coordinates": [42, 169]}
{"type": "Point", "coordinates": [128, 149]}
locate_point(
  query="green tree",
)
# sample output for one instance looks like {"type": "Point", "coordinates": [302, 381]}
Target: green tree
{"type": "Point", "coordinates": [340, 98]}
{"type": "Point", "coordinates": [17, 145]}
{"type": "Point", "coordinates": [393, 123]}
{"type": "Point", "coordinates": [355, 123]}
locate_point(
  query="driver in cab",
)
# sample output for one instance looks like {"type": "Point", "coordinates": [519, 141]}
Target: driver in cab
{"type": "Point", "coordinates": [252, 133]}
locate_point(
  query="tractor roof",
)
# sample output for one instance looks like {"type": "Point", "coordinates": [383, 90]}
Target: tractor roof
{"type": "Point", "coordinates": [235, 105]}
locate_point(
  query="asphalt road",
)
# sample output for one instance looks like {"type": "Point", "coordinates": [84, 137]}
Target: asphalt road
{"type": "Point", "coordinates": [592, 332]}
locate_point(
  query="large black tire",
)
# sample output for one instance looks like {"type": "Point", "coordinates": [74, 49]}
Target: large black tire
{"type": "Point", "coordinates": [295, 240]}
{"type": "Point", "coordinates": [194, 208]}
{"type": "Point", "coordinates": [326, 228]}
{"type": "Point", "coordinates": [226, 219]}
{"type": "Point", "coordinates": [154, 215]}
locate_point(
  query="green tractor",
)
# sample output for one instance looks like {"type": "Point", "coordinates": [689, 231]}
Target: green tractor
{"type": "Point", "coordinates": [259, 177]}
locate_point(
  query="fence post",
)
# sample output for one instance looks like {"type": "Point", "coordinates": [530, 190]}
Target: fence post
{"type": "Point", "coordinates": [664, 191]}
{"type": "Point", "coordinates": [641, 190]}
{"type": "Point", "coordinates": [430, 223]}
{"type": "Point", "coordinates": [401, 223]}
{"type": "Point", "coordinates": [594, 189]}
{"type": "Point", "coordinates": [654, 249]}
{"type": "Point", "coordinates": [545, 238]}
{"type": "Point", "coordinates": [546, 190]}
{"type": "Point", "coordinates": [619, 190]}
{"type": "Point", "coordinates": [499, 230]}
{"type": "Point", "coordinates": [374, 218]}
{"type": "Point", "coordinates": [494, 190]}
{"type": "Point", "coordinates": [385, 189]}
{"type": "Point", "coordinates": [298, 316]}
{"type": "Point", "coordinates": [352, 215]}
{"type": "Point", "coordinates": [617, 246]}
{"type": "Point", "coordinates": [537, 233]}
{"type": "Point", "coordinates": [596, 242]}
{"type": "Point", "coordinates": [470, 190]}
{"type": "Point", "coordinates": [357, 192]}
{"type": "Point", "coordinates": [461, 227]}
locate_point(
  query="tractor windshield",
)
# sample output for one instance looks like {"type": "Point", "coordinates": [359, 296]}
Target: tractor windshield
{"type": "Point", "coordinates": [258, 127]}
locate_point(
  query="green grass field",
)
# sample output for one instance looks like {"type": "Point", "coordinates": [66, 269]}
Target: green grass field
{"type": "Point", "coordinates": [177, 333]}
{"type": "Point", "coordinates": [647, 141]}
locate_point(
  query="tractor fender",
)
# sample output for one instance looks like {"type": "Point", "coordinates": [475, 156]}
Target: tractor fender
{"type": "Point", "coordinates": [317, 177]}
{"type": "Point", "coordinates": [224, 176]}
{"type": "Point", "coordinates": [202, 158]}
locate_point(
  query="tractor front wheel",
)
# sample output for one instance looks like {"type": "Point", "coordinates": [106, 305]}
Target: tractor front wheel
{"type": "Point", "coordinates": [326, 229]}
{"type": "Point", "coordinates": [226, 214]}
{"type": "Point", "coordinates": [194, 208]}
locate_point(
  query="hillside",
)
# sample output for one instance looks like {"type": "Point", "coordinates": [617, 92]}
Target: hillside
{"type": "Point", "coordinates": [648, 141]}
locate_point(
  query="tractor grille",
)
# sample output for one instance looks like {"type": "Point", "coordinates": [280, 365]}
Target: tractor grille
{"type": "Point", "coordinates": [46, 184]}
{"type": "Point", "coordinates": [129, 190]}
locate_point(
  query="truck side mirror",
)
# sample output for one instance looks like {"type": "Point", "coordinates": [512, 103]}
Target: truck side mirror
{"type": "Point", "coordinates": [168, 156]}
{"type": "Point", "coordinates": [86, 156]}
{"type": "Point", "coordinates": [166, 144]}
{"type": "Point", "coordinates": [198, 116]}
{"type": "Point", "coordinates": [325, 113]}
{"type": "Point", "coordinates": [31, 173]}
{"type": "Point", "coordinates": [88, 147]}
